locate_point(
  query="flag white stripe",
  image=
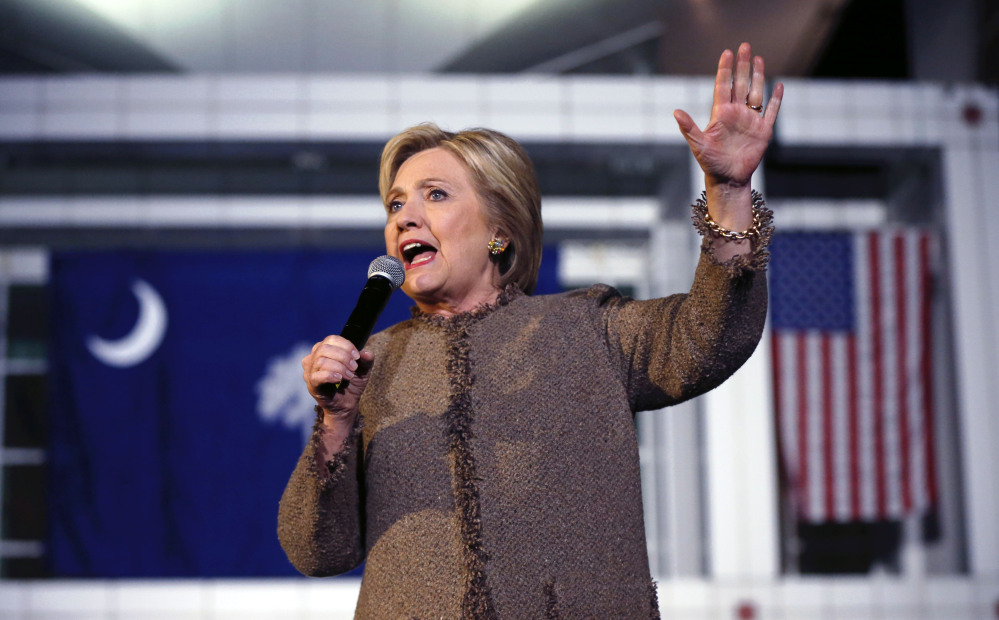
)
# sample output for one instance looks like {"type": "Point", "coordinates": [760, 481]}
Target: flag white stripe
{"type": "Point", "coordinates": [839, 359]}
{"type": "Point", "coordinates": [789, 406]}
{"type": "Point", "coordinates": [889, 368]}
{"type": "Point", "coordinates": [865, 379]}
{"type": "Point", "coordinates": [816, 441]}
{"type": "Point", "coordinates": [915, 347]}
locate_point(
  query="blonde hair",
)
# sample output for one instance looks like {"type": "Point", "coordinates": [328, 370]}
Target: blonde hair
{"type": "Point", "coordinates": [504, 179]}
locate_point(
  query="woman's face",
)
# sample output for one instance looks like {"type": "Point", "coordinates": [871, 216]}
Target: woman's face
{"type": "Point", "coordinates": [437, 227]}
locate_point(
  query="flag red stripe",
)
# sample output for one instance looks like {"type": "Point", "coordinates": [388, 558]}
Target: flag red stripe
{"type": "Point", "coordinates": [926, 366]}
{"type": "Point", "coordinates": [802, 375]}
{"type": "Point", "coordinates": [878, 366]}
{"type": "Point", "coordinates": [902, 348]}
{"type": "Point", "coordinates": [827, 427]}
{"type": "Point", "coordinates": [853, 404]}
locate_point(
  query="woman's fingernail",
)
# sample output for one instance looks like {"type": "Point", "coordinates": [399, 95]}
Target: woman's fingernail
{"type": "Point", "coordinates": [352, 365]}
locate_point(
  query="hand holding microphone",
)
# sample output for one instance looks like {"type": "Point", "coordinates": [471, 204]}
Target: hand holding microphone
{"type": "Point", "coordinates": [335, 371]}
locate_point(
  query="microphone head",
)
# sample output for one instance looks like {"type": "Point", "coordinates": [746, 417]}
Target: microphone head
{"type": "Point", "coordinates": [390, 268]}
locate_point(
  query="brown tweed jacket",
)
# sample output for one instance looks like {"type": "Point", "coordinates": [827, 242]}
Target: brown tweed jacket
{"type": "Point", "coordinates": [495, 473]}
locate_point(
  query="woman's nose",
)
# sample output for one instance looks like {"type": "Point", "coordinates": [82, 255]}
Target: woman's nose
{"type": "Point", "coordinates": [409, 216]}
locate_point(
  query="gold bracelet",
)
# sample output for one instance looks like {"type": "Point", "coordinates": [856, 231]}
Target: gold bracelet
{"type": "Point", "coordinates": [752, 231]}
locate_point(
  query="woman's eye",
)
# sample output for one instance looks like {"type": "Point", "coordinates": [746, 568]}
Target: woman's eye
{"type": "Point", "coordinates": [437, 194]}
{"type": "Point", "coordinates": [393, 206]}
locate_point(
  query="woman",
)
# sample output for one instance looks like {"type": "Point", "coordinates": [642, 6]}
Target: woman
{"type": "Point", "coordinates": [483, 459]}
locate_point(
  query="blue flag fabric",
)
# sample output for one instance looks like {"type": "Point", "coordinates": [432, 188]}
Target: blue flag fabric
{"type": "Point", "coordinates": [812, 286]}
{"type": "Point", "coordinates": [178, 408]}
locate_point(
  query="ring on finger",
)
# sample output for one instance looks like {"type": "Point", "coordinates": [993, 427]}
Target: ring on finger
{"type": "Point", "coordinates": [755, 108]}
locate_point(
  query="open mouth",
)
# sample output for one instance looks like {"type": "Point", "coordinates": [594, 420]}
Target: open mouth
{"type": "Point", "coordinates": [416, 253]}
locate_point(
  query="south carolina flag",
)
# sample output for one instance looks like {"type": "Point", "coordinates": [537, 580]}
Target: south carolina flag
{"type": "Point", "coordinates": [852, 372]}
{"type": "Point", "coordinates": [179, 408]}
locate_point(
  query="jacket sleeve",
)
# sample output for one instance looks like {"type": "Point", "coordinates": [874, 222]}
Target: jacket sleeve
{"type": "Point", "coordinates": [675, 348]}
{"type": "Point", "coordinates": [320, 523]}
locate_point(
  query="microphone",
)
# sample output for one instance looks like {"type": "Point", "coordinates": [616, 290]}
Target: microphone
{"type": "Point", "coordinates": [385, 274]}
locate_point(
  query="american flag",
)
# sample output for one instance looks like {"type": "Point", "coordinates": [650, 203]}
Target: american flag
{"type": "Point", "coordinates": [852, 372]}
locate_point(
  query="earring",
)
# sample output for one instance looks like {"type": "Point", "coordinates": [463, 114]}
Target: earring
{"type": "Point", "coordinates": [496, 246]}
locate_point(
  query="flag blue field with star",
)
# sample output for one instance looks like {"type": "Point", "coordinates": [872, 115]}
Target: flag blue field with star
{"type": "Point", "coordinates": [812, 283]}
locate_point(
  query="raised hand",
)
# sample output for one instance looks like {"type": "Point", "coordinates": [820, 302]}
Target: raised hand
{"type": "Point", "coordinates": [732, 144]}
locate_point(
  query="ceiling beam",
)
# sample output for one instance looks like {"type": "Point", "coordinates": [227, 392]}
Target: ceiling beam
{"type": "Point", "coordinates": [691, 34]}
{"type": "Point", "coordinates": [62, 36]}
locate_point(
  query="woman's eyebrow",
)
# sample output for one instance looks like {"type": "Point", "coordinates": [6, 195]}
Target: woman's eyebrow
{"type": "Point", "coordinates": [394, 193]}
{"type": "Point", "coordinates": [432, 181]}
{"type": "Point", "coordinates": [397, 191]}
{"type": "Point", "coordinates": [421, 183]}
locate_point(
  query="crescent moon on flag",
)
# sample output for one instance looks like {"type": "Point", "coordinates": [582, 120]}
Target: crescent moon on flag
{"type": "Point", "coordinates": [144, 338]}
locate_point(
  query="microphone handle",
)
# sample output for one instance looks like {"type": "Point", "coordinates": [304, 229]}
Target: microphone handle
{"type": "Point", "coordinates": [370, 303]}
{"type": "Point", "coordinates": [372, 300]}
